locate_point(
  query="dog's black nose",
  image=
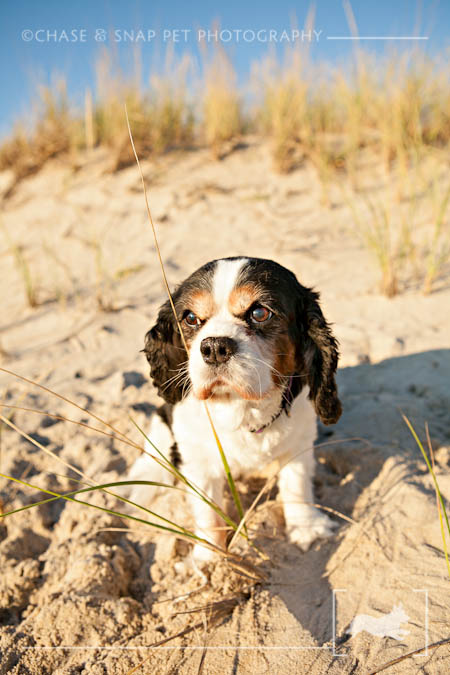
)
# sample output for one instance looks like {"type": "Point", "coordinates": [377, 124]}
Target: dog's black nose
{"type": "Point", "coordinates": [217, 350]}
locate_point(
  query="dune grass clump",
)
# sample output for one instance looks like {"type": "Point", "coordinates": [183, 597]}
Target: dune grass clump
{"type": "Point", "coordinates": [162, 122]}
{"type": "Point", "coordinates": [437, 251]}
{"type": "Point", "coordinates": [171, 109]}
{"type": "Point", "coordinates": [386, 238]}
{"type": "Point", "coordinates": [396, 106]}
{"type": "Point", "coordinates": [23, 268]}
{"type": "Point", "coordinates": [15, 153]}
{"type": "Point", "coordinates": [56, 132]}
{"type": "Point", "coordinates": [282, 113]}
{"type": "Point", "coordinates": [161, 116]}
{"type": "Point", "coordinates": [405, 225]}
{"type": "Point", "coordinates": [222, 123]}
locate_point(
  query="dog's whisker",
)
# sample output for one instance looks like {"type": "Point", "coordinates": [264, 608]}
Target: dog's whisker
{"type": "Point", "coordinates": [277, 372]}
{"type": "Point", "coordinates": [266, 363]}
{"type": "Point", "coordinates": [259, 378]}
{"type": "Point", "coordinates": [179, 375]}
{"type": "Point", "coordinates": [186, 388]}
{"type": "Point", "coordinates": [172, 380]}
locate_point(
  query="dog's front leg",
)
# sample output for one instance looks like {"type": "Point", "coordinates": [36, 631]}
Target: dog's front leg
{"type": "Point", "coordinates": [304, 522]}
{"type": "Point", "coordinates": [208, 524]}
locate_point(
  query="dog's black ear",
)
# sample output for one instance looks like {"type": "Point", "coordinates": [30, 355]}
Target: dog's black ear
{"type": "Point", "coordinates": [318, 356]}
{"type": "Point", "coordinates": [166, 355]}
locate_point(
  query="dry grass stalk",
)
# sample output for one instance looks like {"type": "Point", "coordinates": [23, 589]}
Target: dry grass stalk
{"type": "Point", "coordinates": [89, 120]}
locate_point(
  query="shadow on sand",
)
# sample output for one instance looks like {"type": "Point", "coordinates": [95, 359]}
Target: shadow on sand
{"type": "Point", "coordinates": [374, 398]}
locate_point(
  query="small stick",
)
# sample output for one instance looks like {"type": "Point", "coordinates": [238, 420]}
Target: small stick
{"type": "Point", "coordinates": [406, 656]}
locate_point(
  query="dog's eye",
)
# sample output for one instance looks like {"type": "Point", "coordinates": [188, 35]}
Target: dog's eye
{"type": "Point", "coordinates": [260, 314]}
{"type": "Point", "coordinates": [192, 320]}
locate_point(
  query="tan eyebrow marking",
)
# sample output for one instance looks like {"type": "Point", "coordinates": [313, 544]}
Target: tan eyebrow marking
{"type": "Point", "coordinates": [242, 298]}
{"type": "Point", "coordinates": [202, 304]}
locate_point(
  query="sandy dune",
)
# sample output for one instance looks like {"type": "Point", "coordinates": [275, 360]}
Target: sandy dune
{"type": "Point", "coordinates": [79, 597]}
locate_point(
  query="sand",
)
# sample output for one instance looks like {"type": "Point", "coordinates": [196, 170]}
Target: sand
{"type": "Point", "coordinates": [83, 591]}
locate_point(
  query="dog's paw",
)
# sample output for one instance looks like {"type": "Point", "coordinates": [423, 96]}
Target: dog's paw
{"type": "Point", "coordinates": [201, 555]}
{"type": "Point", "coordinates": [306, 531]}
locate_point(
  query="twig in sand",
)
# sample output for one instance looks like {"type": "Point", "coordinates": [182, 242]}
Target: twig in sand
{"type": "Point", "coordinates": [387, 665]}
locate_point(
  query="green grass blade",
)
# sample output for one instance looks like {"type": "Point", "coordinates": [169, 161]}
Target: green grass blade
{"type": "Point", "coordinates": [170, 467]}
{"type": "Point", "coordinates": [226, 466]}
{"type": "Point", "coordinates": [92, 488]}
{"type": "Point", "coordinates": [438, 492]}
{"type": "Point", "coordinates": [177, 530]}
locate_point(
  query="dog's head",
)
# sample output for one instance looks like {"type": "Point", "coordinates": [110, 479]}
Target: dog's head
{"type": "Point", "coordinates": [249, 326]}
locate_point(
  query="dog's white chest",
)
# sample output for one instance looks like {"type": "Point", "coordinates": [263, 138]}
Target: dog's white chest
{"type": "Point", "coordinates": [246, 451]}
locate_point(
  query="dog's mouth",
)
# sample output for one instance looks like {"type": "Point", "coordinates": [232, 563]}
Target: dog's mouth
{"type": "Point", "coordinates": [218, 388]}
{"type": "Point", "coordinates": [222, 389]}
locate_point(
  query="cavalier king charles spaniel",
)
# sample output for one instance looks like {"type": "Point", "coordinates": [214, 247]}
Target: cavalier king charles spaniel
{"type": "Point", "coordinates": [263, 357]}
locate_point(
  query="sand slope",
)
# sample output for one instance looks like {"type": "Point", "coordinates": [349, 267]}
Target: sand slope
{"type": "Point", "coordinates": [77, 595]}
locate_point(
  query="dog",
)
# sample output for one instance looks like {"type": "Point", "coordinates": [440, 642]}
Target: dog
{"type": "Point", "coordinates": [262, 356]}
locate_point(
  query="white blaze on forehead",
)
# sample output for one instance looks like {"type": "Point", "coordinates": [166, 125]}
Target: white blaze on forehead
{"type": "Point", "coordinates": [243, 374]}
{"type": "Point", "coordinates": [225, 277]}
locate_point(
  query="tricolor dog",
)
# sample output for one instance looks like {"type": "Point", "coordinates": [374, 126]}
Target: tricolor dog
{"type": "Point", "coordinates": [262, 356]}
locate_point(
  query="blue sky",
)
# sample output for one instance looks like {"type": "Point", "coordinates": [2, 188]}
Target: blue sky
{"type": "Point", "coordinates": [44, 50]}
